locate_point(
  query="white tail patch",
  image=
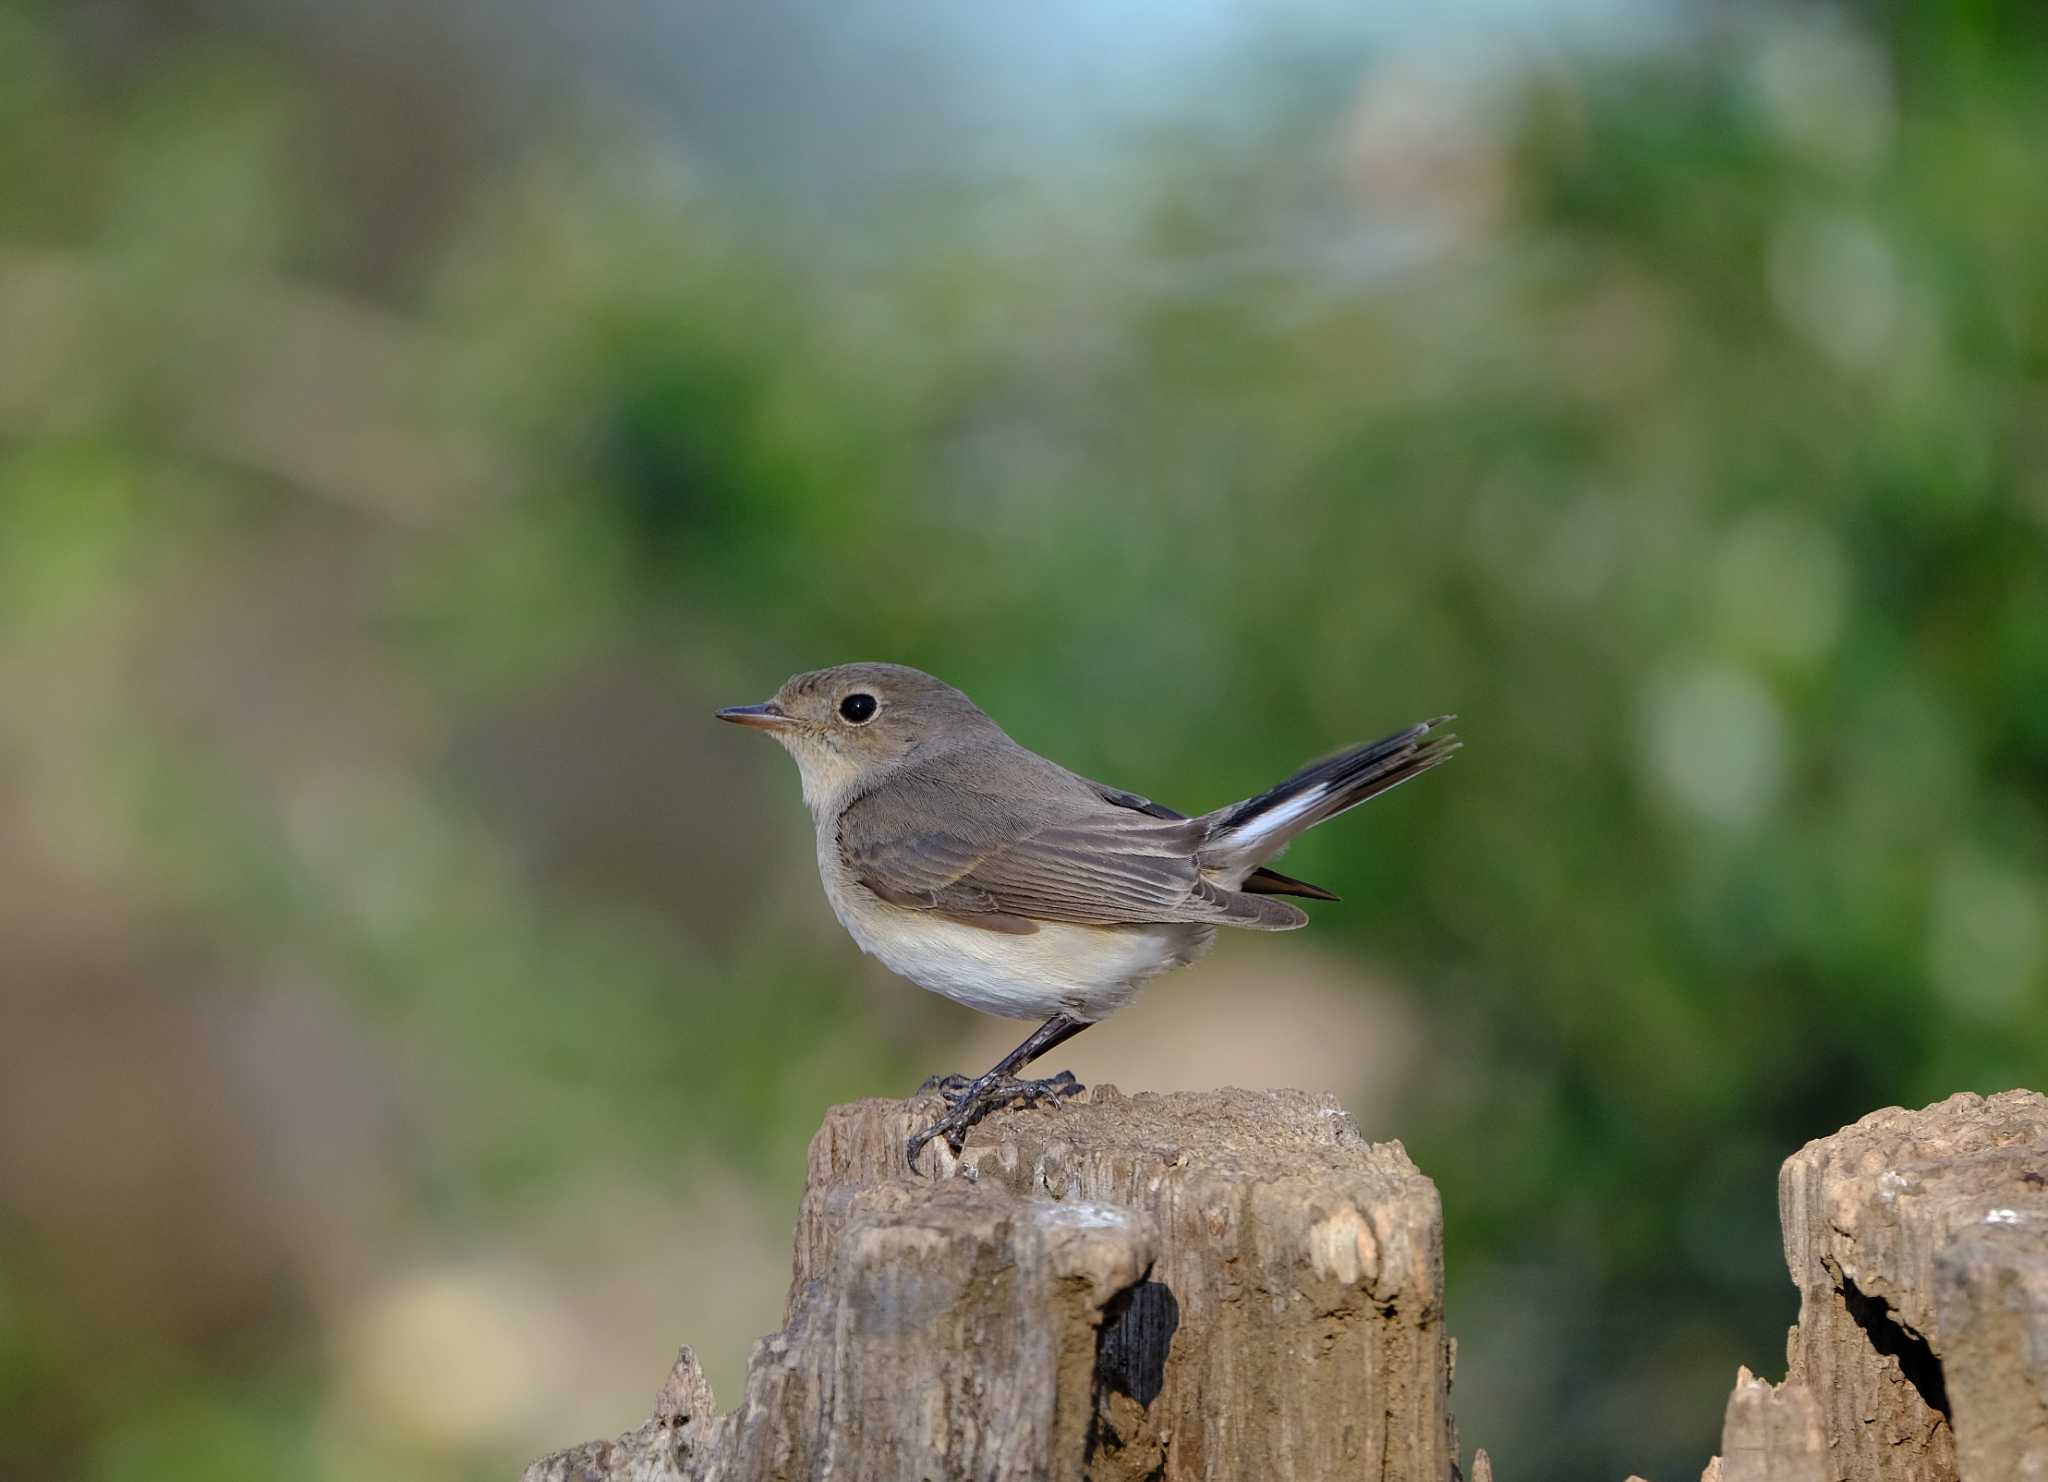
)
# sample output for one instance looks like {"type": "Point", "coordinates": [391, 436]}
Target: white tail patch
{"type": "Point", "coordinates": [1269, 821]}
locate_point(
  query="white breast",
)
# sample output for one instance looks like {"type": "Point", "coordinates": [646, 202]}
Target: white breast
{"type": "Point", "coordinates": [1087, 971]}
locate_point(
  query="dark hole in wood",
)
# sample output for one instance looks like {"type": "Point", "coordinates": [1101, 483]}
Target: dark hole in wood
{"type": "Point", "coordinates": [1917, 1362]}
{"type": "Point", "coordinates": [1130, 1350]}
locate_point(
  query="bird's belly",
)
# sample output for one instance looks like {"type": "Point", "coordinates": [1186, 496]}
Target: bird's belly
{"type": "Point", "coordinates": [1087, 971]}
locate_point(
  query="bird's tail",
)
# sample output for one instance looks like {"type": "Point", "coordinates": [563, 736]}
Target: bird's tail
{"type": "Point", "coordinates": [1247, 834]}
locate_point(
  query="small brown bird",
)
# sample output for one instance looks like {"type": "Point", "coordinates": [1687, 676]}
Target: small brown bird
{"type": "Point", "coordinates": [979, 869]}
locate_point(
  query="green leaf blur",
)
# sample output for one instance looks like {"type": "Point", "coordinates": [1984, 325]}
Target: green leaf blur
{"type": "Point", "coordinates": [415, 1006]}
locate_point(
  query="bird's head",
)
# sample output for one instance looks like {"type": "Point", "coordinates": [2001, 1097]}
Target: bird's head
{"type": "Point", "coordinates": [845, 723]}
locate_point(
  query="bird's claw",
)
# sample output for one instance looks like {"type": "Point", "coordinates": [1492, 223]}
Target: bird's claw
{"type": "Point", "coordinates": [968, 1102]}
{"type": "Point", "coordinates": [952, 1087]}
{"type": "Point", "coordinates": [1048, 1092]}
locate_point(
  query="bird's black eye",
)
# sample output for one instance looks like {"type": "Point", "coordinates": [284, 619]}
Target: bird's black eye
{"type": "Point", "coordinates": [858, 710]}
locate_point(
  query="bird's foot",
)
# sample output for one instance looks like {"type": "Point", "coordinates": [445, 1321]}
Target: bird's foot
{"type": "Point", "coordinates": [967, 1102]}
{"type": "Point", "coordinates": [1048, 1092]}
{"type": "Point", "coordinates": [1003, 1091]}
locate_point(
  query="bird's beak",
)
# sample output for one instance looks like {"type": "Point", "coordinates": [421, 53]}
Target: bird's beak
{"type": "Point", "coordinates": [768, 717]}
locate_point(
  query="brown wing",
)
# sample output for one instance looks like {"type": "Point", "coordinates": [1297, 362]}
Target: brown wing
{"type": "Point", "coordinates": [1105, 871]}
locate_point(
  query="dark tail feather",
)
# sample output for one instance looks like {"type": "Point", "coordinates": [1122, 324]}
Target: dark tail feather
{"type": "Point", "coordinates": [1263, 881]}
{"type": "Point", "coordinates": [1259, 828]}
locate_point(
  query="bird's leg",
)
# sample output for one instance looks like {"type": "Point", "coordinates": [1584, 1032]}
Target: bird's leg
{"type": "Point", "coordinates": [967, 1102]}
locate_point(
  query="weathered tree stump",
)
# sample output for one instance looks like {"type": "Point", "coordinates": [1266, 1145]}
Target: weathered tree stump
{"type": "Point", "coordinates": [1919, 1244]}
{"type": "Point", "coordinates": [1237, 1284]}
{"type": "Point", "coordinates": [1231, 1284]}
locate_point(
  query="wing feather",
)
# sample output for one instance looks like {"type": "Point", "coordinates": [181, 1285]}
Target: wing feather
{"type": "Point", "coordinates": [1114, 869]}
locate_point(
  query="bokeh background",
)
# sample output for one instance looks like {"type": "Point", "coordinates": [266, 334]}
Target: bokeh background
{"type": "Point", "coordinates": [414, 419]}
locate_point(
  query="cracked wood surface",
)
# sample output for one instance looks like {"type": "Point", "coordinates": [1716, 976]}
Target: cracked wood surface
{"type": "Point", "coordinates": [1237, 1284]}
{"type": "Point", "coordinates": [1919, 1244]}
{"type": "Point", "coordinates": [1224, 1284]}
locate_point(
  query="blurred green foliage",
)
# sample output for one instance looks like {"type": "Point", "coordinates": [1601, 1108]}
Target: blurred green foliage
{"type": "Point", "coordinates": [383, 507]}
